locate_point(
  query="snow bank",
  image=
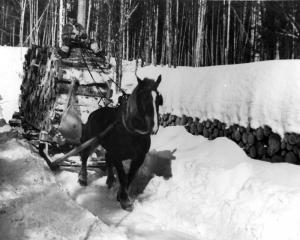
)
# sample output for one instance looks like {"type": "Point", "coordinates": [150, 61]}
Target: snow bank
{"type": "Point", "coordinates": [11, 70]}
{"type": "Point", "coordinates": [215, 192]}
{"type": "Point", "coordinates": [32, 206]}
{"type": "Point", "coordinates": [261, 93]}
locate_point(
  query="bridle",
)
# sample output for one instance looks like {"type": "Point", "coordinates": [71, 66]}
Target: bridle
{"type": "Point", "coordinates": [129, 128]}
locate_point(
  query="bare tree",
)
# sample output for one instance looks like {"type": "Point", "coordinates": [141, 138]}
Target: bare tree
{"type": "Point", "coordinates": [200, 33]}
{"type": "Point", "coordinates": [81, 14]}
{"type": "Point", "coordinates": [23, 6]}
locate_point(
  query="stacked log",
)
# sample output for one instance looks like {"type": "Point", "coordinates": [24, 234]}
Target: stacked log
{"type": "Point", "coordinates": [47, 82]}
{"type": "Point", "coordinates": [260, 143]}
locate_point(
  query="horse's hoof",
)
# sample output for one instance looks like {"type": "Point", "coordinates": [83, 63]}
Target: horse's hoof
{"type": "Point", "coordinates": [128, 208]}
{"type": "Point", "coordinates": [126, 204]}
{"type": "Point", "coordinates": [54, 166]}
{"type": "Point", "coordinates": [82, 180]}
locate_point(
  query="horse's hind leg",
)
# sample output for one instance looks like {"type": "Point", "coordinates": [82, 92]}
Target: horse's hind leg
{"type": "Point", "coordinates": [84, 155]}
{"type": "Point", "coordinates": [82, 176]}
{"type": "Point", "coordinates": [110, 181]}
{"type": "Point", "coordinates": [122, 196]}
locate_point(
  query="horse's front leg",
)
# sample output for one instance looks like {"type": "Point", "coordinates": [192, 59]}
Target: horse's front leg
{"type": "Point", "coordinates": [122, 195]}
{"type": "Point", "coordinates": [82, 176]}
{"type": "Point", "coordinates": [84, 155]}
{"type": "Point", "coordinates": [134, 167]}
{"type": "Point", "coordinates": [110, 181]}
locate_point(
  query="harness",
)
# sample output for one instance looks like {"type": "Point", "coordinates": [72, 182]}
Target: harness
{"type": "Point", "coordinates": [133, 130]}
{"type": "Point", "coordinates": [129, 128]}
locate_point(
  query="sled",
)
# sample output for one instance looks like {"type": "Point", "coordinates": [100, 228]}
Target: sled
{"type": "Point", "coordinates": [58, 94]}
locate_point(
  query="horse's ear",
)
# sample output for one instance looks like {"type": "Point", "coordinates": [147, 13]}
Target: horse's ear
{"type": "Point", "coordinates": [158, 81]}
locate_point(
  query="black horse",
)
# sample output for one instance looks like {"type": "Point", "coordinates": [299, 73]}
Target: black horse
{"type": "Point", "coordinates": [133, 122]}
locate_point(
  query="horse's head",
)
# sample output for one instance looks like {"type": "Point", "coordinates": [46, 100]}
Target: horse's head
{"type": "Point", "coordinates": [143, 105]}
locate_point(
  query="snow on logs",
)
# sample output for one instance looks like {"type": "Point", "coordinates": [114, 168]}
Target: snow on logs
{"type": "Point", "coordinates": [257, 105]}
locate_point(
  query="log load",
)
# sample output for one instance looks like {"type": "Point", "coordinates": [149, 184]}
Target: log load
{"type": "Point", "coordinates": [48, 80]}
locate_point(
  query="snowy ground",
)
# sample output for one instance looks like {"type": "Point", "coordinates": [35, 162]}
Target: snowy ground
{"type": "Point", "coordinates": [188, 188]}
{"type": "Point", "coordinates": [215, 192]}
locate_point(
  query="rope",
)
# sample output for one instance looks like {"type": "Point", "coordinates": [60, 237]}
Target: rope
{"type": "Point", "coordinates": [100, 93]}
{"type": "Point", "coordinates": [97, 65]}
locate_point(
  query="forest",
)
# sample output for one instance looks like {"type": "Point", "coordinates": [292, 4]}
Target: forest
{"type": "Point", "coordinates": [166, 32]}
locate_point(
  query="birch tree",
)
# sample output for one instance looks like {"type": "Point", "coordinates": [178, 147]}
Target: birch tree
{"type": "Point", "coordinates": [200, 33]}
{"type": "Point", "coordinates": [23, 6]}
{"type": "Point", "coordinates": [81, 14]}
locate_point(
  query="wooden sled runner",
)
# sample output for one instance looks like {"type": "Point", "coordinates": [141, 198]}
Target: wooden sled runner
{"type": "Point", "coordinates": [54, 164]}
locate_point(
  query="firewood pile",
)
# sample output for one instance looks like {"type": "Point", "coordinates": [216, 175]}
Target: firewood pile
{"type": "Point", "coordinates": [47, 82]}
{"type": "Point", "coordinates": [261, 143]}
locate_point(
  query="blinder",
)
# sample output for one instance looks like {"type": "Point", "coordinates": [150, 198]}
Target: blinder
{"type": "Point", "coordinates": [159, 99]}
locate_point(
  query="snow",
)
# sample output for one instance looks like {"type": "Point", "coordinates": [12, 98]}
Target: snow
{"type": "Point", "coordinates": [215, 192]}
{"type": "Point", "coordinates": [260, 93]}
{"type": "Point", "coordinates": [32, 206]}
{"type": "Point", "coordinates": [187, 188]}
{"type": "Point", "coordinates": [11, 62]}
{"type": "Point", "coordinates": [206, 190]}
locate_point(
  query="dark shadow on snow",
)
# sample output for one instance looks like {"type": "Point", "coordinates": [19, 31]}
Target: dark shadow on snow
{"type": "Point", "coordinates": [157, 163]}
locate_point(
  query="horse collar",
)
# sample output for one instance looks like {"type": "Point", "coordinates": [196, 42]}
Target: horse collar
{"type": "Point", "coordinates": [134, 130]}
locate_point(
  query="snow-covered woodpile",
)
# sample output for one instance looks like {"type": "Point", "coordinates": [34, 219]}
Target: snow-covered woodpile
{"type": "Point", "coordinates": [51, 83]}
{"type": "Point", "coordinates": [260, 143]}
{"type": "Point", "coordinates": [257, 105]}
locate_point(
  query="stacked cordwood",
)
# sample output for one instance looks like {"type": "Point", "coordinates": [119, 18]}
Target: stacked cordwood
{"type": "Point", "coordinates": [47, 83]}
{"type": "Point", "coordinates": [260, 143]}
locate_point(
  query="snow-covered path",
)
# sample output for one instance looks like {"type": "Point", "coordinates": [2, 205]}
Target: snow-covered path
{"type": "Point", "coordinates": [32, 206]}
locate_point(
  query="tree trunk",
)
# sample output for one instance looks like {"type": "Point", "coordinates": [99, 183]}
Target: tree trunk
{"type": "Point", "coordinates": [169, 32]}
{"type": "Point", "coordinates": [127, 32]}
{"type": "Point", "coordinates": [89, 18]}
{"type": "Point", "coordinates": [54, 22]}
{"type": "Point", "coordinates": [23, 6]}
{"type": "Point", "coordinates": [228, 34]}
{"type": "Point", "coordinates": [175, 48]}
{"type": "Point", "coordinates": [81, 14]}
{"type": "Point", "coordinates": [109, 30]}
{"type": "Point", "coordinates": [200, 33]}
{"type": "Point", "coordinates": [61, 22]}
{"type": "Point", "coordinates": [155, 47]}
{"type": "Point", "coordinates": [120, 47]}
